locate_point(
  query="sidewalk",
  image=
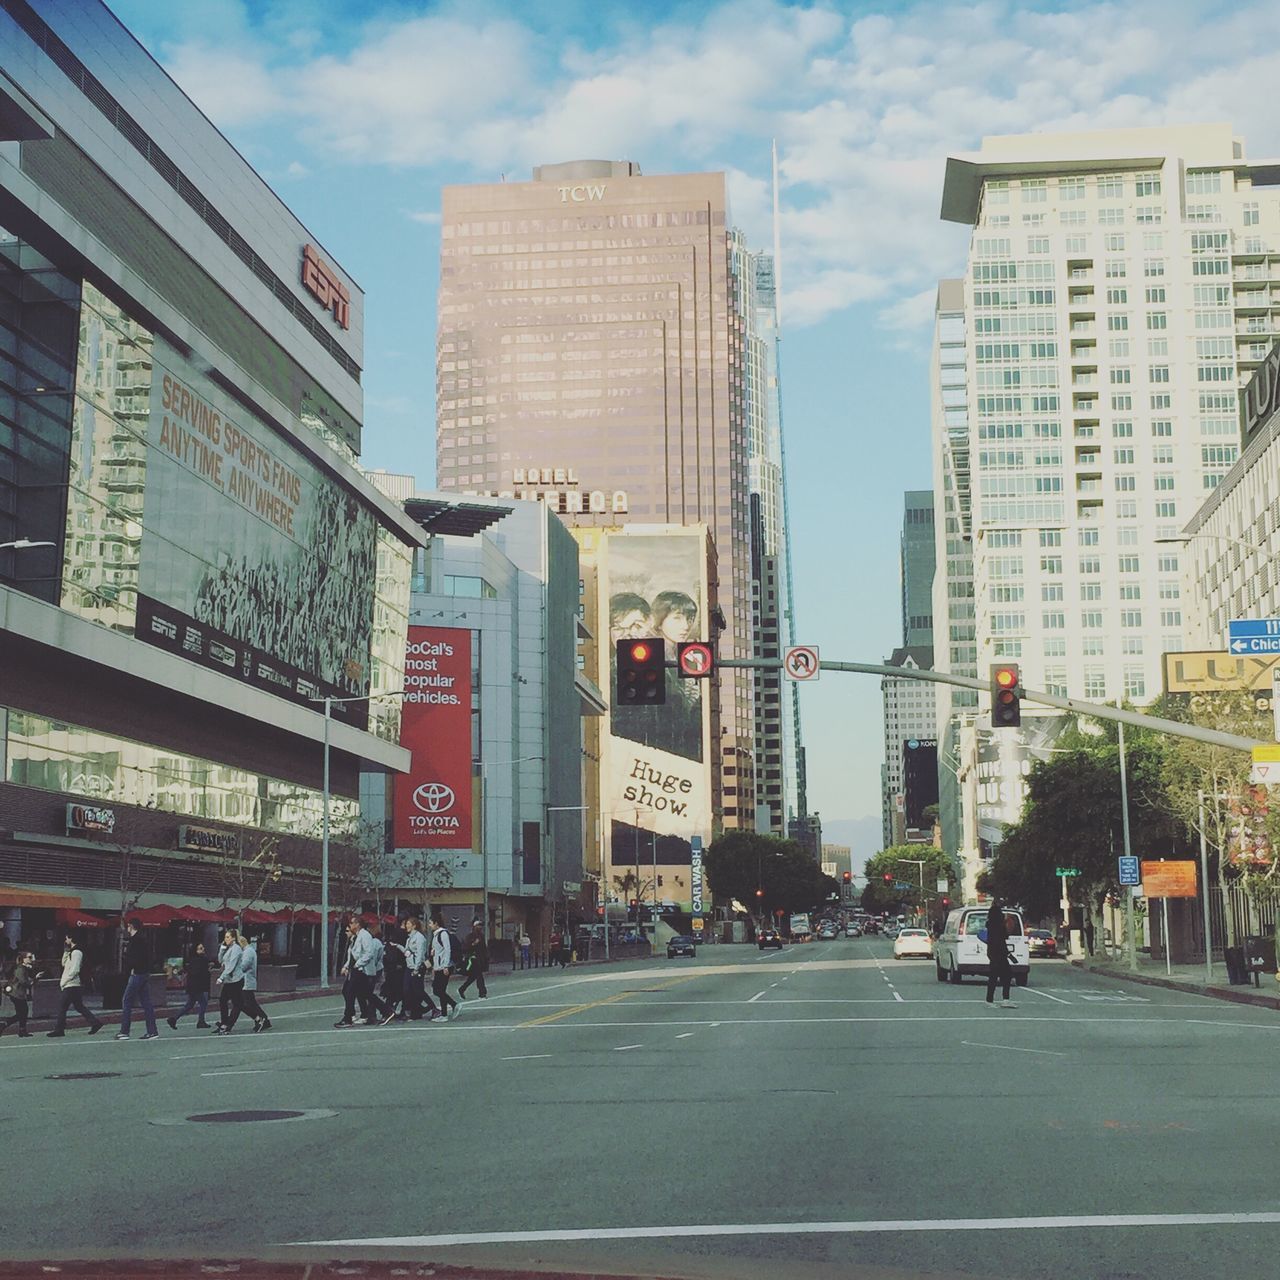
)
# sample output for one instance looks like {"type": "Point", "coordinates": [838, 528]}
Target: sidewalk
{"type": "Point", "coordinates": [1184, 977]}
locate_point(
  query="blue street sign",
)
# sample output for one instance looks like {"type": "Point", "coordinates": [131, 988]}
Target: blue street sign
{"type": "Point", "coordinates": [902, 884]}
{"type": "Point", "coordinates": [1129, 871]}
{"type": "Point", "coordinates": [1253, 635]}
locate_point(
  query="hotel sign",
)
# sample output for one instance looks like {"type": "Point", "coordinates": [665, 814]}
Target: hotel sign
{"type": "Point", "coordinates": [561, 490]}
{"type": "Point", "coordinates": [319, 280]}
{"type": "Point", "coordinates": [1260, 399]}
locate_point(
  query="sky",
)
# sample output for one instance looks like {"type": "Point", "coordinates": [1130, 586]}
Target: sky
{"type": "Point", "coordinates": [357, 112]}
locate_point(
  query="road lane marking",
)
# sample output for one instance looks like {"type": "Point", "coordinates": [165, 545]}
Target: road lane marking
{"type": "Point", "coordinates": [595, 1004]}
{"type": "Point", "coordinates": [684, 1035]}
{"type": "Point", "coordinates": [244, 1071]}
{"type": "Point", "coordinates": [974, 1044]}
{"type": "Point", "coordinates": [898, 998]}
{"type": "Point", "coordinates": [622, 1048]}
{"type": "Point", "coordinates": [525, 1057]}
{"type": "Point", "coordinates": [755, 997]}
{"type": "Point", "coordinates": [1114, 1221]}
{"type": "Point", "coordinates": [1036, 992]}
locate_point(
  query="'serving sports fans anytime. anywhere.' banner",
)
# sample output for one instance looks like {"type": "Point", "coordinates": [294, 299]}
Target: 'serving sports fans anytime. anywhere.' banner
{"type": "Point", "coordinates": [278, 589]}
{"type": "Point", "coordinates": [433, 800]}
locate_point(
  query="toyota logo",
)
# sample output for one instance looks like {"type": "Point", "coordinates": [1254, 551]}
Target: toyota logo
{"type": "Point", "coordinates": [433, 797]}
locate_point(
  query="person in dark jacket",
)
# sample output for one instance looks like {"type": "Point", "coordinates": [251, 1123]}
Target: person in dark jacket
{"type": "Point", "coordinates": [475, 961]}
{"type": "Point", "coordinates": [197, 988]}
{"type": "Point", "coordinates": [24, 976]}
{"type": "Point", "coordinates": [138, 966]}
{"type": "Point", "coordinates": [998, 968]}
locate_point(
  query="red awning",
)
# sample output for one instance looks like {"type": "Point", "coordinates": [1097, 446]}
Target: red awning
{"type": "Point", "coordinates": [82, 919]}
{"type": "Point", "coordinates": [304, 915]}
{"type": "Point", "coordinates": [255, 915]}
{"type": "Point", "coordinates": [202, 915]}
{"type": "Point", "coordinates": [155, 917]}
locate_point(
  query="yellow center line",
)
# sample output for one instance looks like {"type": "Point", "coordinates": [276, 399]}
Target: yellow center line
{"type": "Point", "coordinates": [596, 1004]}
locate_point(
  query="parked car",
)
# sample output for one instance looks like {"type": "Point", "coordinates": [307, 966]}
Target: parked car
{"type": "Point", "coordinates": [769, 938]}
{"type": "Point", "coordinates": [913, 942]}
{"type": "Point", "coordinates": [1040, 942]}
{"type": "Point", "coordinates": [961, 948]}
{"type": "Point", "coordinates": [681, 945]}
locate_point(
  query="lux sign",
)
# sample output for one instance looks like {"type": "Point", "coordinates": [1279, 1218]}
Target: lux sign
{"type": "Point", "coordinates": [319, 280]}
{"type": "Point", "coordinates": [581, 194]}
{"type": "Point", "coordinates": [1262, 394]}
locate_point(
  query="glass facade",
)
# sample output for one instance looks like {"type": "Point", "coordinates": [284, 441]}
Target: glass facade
{"type": "Point", "coordinates": [55, 756]}
{"type": "Point", "coordinates": [39, 308]}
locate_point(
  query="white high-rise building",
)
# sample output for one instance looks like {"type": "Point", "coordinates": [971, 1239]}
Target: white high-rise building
{"type": "Point", "coordinates": [910, 716]}
{"type": "Point", "coordinates": [1118, 284]}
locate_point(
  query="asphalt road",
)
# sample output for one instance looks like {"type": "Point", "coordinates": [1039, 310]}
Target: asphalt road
{"type": "Point", "coordinates": [823, 1110]}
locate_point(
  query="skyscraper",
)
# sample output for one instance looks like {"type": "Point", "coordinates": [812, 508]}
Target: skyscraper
{"type": "Point", "coordinates": [916, 557]}
{"type": "Point", "coordinates": [590, 352]}
{"type": "Point", "coordinates": [1118, 286]}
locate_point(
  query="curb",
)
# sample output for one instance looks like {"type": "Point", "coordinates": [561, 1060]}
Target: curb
{"type": "Point", "coordinates": [1233, 994]}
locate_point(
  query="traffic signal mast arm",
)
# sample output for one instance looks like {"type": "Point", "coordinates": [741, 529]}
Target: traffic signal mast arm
{"type": "Point", "coordinates": [1079, 705]}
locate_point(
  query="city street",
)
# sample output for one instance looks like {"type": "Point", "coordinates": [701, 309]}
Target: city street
{"type": "Point", "coordinates": [710, 1117]}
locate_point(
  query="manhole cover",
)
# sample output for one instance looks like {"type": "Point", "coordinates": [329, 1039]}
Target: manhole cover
{"type": "Point", "coordinates": [261, 1116]}
{"type": "Point", "coordinates": [86, 1075]}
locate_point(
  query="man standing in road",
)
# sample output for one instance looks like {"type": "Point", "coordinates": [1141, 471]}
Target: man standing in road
{"type": "Point", "coordinates": [69, 987]}
{"type": "Point", "coordinates": [441, 964]}
{"type": "Point", "coordinates": [138, 987]}
{"type": "Point", "coordinates": [998, 969]}
{"type": "Point", "coordinates": [362, 959]}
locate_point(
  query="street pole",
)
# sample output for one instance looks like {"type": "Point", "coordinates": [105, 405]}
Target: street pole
{"type": "Point", "coordinates": [1066, 913]}
{"type": "Point", "coordinates": [1131, 942]}
{"type": "Point", "coordinates": [484, 853]}
{"type": "Point", "coordinates": [653, 845]}
{"type": "Point", "coordinates": [324, 857]}
{"type": "Point", "coordinates": [1204, 886]}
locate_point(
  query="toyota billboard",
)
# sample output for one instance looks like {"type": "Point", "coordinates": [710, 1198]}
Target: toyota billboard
{"type": "Point", "coordinates": [433, 800]}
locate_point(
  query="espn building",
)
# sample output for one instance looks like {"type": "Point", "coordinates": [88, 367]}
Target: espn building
{"type": "Point", "coordinates": [190, 559]}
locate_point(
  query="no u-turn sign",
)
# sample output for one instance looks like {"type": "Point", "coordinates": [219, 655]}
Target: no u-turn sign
{"type": "Point", "coordinates": [800, 662]}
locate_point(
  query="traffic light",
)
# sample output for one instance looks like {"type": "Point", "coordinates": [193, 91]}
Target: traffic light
{"type": "Point", "coordinates": [848, 877]}
{"type": "Point", "coordinates": [759, 893]}
{"type": "Point", "coordinates": [642, 678]}
{"type": "Point", "coordinates": [1006, 700]}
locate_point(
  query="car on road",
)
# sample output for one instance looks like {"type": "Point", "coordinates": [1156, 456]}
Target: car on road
{"type": "Point", "coordinates": [681, 945]}
{"type": "Point", "coordinates": [852, 931]}
{"type": "Point", "coordinates": [828, 933]}
{"type": "Point", "coordinates": [961, 947]}
{"type": "Point", "coordinates": [1040, 942]}
{"type": "Point", "coordinates": [891, 932]}
{"type": "Point", "coordinates": [769, 938]}
{"type": "Point", "coordinates": [913, 942]}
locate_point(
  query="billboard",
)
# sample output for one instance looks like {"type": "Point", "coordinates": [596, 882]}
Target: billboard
{"type": "Point", "coordinates": [1005, 757]}
{"type": "Point", "coordinates": [254, 562]}
{"type": "Point", "coordinates": [657, 766]}
{"type": "Point", "coordinates": [432, 808]}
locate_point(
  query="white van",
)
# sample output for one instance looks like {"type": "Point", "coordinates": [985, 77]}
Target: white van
{"type": "Point", "coordinates": [959, 950]}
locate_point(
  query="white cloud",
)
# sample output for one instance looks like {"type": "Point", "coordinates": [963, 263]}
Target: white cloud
{"type": "Point", "coordinates": [865, 108]}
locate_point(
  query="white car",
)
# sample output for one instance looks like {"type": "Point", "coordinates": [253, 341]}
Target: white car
{"type": "Point", "coordinates": [962, 946]}
{"type": "Point", "coordinates": [913, 942]}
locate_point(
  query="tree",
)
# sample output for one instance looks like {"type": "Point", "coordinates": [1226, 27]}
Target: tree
{"type": "Point", "coordinates": [739, 863]}
{"type": "Point", "coordinates": [899, 863]}
{"type": "Point", "coordinates": [1208, 782]}
{"type": "Point", "coordinates": [1071, 817]}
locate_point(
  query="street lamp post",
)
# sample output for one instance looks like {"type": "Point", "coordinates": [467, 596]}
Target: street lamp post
{"type": "Point", "coordinates": [329, 703]}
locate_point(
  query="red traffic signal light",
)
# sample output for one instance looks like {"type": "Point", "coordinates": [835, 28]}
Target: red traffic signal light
{"type": "Point", "coordinates": [946, 902]}
{"type": "Point", "coordinates": [848, 877]}
{"type": "Point", "coordinates": [1006, 700]}
{"type": "Point", "coordinates": [888, 879]}
{"type": "Point", "coordinates": [642, 677]}
{"type": "Point", "coordinates": [759, 893]}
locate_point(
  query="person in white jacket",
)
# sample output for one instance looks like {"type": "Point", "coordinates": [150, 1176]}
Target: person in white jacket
{"type": "Point", "coordinates": [247, 968]}
{"type": "Point", "coordinates": [231, 981]}
{"type": "Point", "coordinates": [69, 984]}
{"type": "Point", "coordinates": [441, 968]}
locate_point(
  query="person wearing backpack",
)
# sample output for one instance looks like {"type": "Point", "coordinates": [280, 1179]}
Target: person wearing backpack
{"type": "Point", "coordinates": [475, 961]}
{"type": "Point", "coordinates": [441, 967]}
